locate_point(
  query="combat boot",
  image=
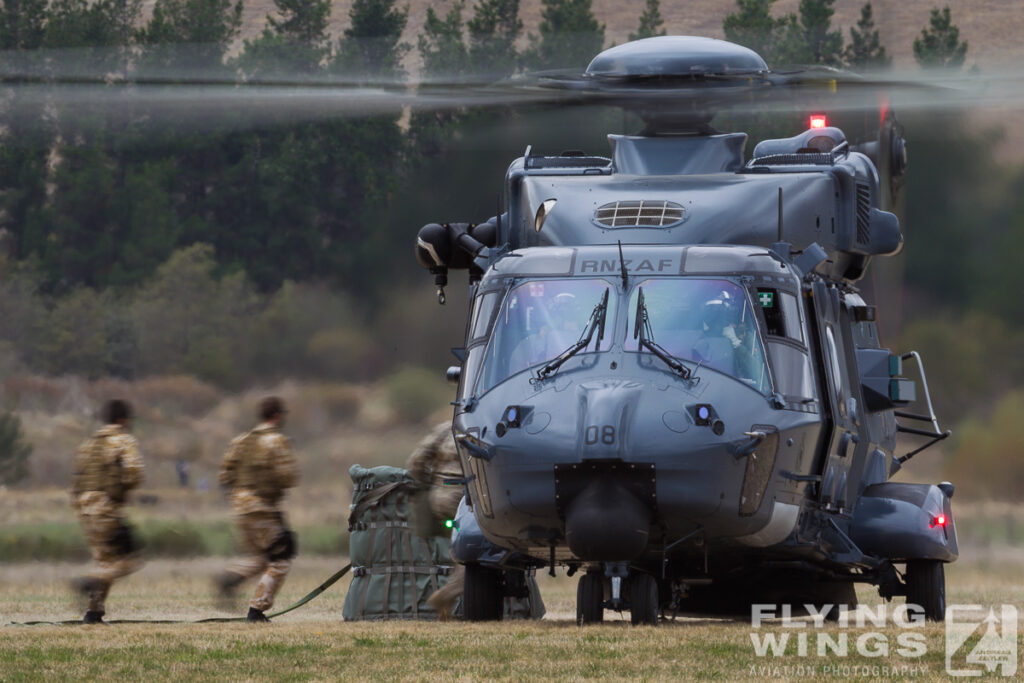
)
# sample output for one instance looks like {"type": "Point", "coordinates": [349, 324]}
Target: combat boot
{"type": "Point", "coordinates": [94, 617]}
{"type": "Point", "coordinates": [256, 617]}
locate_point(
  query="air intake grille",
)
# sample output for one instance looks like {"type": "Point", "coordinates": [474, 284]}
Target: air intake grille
{"type": "Point", "coordinates": [642, 213]}
{"type": "Point", "coordinates": [863, 214]}
{"type": "Point", "coordinates": [801, 159]}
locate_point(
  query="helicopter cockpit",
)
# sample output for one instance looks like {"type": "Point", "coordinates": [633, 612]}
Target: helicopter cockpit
{"type": "Point", "coordinates": [728, 322]}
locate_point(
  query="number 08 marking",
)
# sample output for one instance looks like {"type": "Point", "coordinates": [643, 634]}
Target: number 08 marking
{"type": "Point", "coordinates": [604, 434]}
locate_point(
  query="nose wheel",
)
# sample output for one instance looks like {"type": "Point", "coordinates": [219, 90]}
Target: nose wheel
{"type": "Point", "coordinates": [590, 598]}
{"type": "Point", "coordinates": [643, 599]}
{"type": "Point", "coordinates": [638, 593]}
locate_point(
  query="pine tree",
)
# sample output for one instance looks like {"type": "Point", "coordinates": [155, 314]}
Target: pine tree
{"type": "Point", "coordinates": [442, 45]}
{"type": "Point", "coordinates": [753, 26]}
{"type": "Point", "coordinates": [570, 36]}
{"type": "Point", "coordinates": [190, 34]}
{"type": "Point", "coordinates": [939, 45]}
{"type": "Point", "coordinates": [651, 22]}
{"type": "Point", "coordinates": [371, 47]}
{"type": "Point", "coordinates": [294, 42]}
{"type": "Point", "coordinates": [102, 31]}
{"type": "Point", "coordinates": [26, 130]}
{"type": "Point", "coordinates": [22, 24]}
{"type": "Point", "coordinates": [808, 38]}
{"type": "Point", "coordinates": [493, 32]}
{"type": "Point", "coordinates": [865, 50]}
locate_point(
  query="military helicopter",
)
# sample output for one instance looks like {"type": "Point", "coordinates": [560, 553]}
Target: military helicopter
{"type": "Point", "coordinates": [670, 380]}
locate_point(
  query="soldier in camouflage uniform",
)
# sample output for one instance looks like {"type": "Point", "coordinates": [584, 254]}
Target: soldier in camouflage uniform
{"type": "Point", "coordinates": [107, 466]}
{"type": "Point", "coordinates": [435, 465]}
{"type": "Point", "coordinates": [257, 469]}
{"type": "Point", "coordinates": [434, 462]}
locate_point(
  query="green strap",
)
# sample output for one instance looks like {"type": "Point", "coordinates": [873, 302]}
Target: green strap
{"type": "Point", "coordinates": [387, 579]}
{"type": "Point", "coordinates": [413, 584]}
{"type": "Point", "coordinates": [373, 498]}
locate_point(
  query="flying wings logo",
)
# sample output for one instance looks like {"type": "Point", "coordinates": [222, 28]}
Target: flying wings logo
{"type": "Point", "coordinates": [978, 644]}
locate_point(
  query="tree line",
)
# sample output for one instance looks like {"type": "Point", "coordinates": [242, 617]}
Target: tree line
{"type": "Point", "coordinates": [94, 201]}
{"type": "Point", "coordinates": [234, 244]}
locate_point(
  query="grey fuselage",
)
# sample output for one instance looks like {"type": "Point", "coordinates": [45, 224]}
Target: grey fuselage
{"type": "Point", "coordinates": [718, 466]}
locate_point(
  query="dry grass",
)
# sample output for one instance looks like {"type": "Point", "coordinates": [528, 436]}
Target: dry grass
{"type": "Point", "coordinates": [313, 642]}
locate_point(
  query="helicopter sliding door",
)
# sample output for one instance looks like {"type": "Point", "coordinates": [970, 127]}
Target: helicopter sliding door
{"type": "Point", "coordinates": [841, 438]}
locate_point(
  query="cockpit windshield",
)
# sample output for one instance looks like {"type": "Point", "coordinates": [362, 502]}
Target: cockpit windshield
{"type": "Point", "coordinates": [539, 320]}
{"type": "Point", "coordinates": [704, 321]}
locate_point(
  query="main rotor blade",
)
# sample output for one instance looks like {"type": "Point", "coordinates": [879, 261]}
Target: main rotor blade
{"type": "Point", "coordinates": [168, 88]}
{"type": "Point", "coordinates": [800, 90]}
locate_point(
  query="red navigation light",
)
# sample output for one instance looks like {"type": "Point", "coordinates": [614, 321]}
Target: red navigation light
{"type": "Point", "coordinates": [940, 520]}
{"type": "Point", "coordinates": [818, 121]}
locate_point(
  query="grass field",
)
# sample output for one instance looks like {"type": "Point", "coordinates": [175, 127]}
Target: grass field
{"type": "Point", "coordinates": [314, 643]}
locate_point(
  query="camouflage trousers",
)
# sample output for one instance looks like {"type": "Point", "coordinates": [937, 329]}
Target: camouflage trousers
{"type": "Point", "coordinates": [268, 548]}
{"type": "Point", "coordinates": [443, 600]}
{"type": "Point", "coordinates": [115, 552]}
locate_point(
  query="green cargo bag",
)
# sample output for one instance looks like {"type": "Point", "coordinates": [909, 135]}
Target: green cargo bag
{"type": "Point", "coordinates": [393, 570]}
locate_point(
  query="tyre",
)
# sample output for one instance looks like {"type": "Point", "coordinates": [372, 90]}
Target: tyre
{"type": "Point", "coordinates": [590, 598]}
{"type": "Point", "coordinates": [643, 599]}
{"type": "Point", "coordinates": [482, 597]}
{"type": "Point", "coordinates": [926, 587]}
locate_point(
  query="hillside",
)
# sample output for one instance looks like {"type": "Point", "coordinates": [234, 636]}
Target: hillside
{"type": "Point", "coordinates": [991, 27]}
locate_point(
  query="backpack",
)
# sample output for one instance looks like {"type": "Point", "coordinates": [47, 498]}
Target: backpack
{"type": "Point", "coordinates": [394, 571]}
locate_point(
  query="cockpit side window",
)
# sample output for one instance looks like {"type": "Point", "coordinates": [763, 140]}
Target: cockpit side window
{"type": "Point", "coordinates": [485, 304]}
{"type": "Point", "coordinates": [781, 314]}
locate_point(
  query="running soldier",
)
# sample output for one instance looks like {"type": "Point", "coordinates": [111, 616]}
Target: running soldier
{"type": "Point", "coordinates": [107, 466]}
{"type": "Point", "coordinates": [257, 469]}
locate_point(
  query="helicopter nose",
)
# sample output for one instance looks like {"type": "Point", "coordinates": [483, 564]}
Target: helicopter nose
{"type": "Point", "coordinates": [606, 410]}
{"type": "Point", "coordinates": [606, 522]}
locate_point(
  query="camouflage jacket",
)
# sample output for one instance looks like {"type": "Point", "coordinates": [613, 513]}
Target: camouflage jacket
{"type": "Point", "coordinates": [435, 457]}
{"type": "Point", "coordinates": [107, 466]}
{"type": "Point", "coordinates": [434, 461]}
{"type": "Point", "coordinates": [257, 469]}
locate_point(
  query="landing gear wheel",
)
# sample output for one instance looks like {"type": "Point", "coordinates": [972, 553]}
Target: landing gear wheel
{"type": "Point", "coordinates": [590, 599]}
{"type": "Point", "coordinates": [482, 597]}
{"type": "Point", "coordinates": [643, 599]}
{"type": "Point", "coordinates": [926, 587]}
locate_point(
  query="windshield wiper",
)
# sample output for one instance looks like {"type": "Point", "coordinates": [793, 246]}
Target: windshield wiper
{"type": "Point", "coordinates": [645, 336]}
{"type": "Point", "coordinates": [595, 324]}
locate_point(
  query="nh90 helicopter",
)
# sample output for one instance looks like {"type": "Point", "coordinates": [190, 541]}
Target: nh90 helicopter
{"type": "Point", "coordinates": [670, 381]}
